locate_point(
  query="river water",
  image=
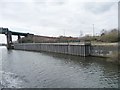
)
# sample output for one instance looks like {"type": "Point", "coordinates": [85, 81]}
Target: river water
{"type": "Point", "coordinates": [23, 69]}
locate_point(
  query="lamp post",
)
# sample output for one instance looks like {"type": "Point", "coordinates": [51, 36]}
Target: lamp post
{"type": "Point", "coordinates": [64, 33]}
{"type": "Point", "coordinates": [93, 30]}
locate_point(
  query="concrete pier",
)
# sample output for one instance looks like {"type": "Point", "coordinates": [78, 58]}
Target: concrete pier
{"type": "Point", "coordinates": [9, 39]}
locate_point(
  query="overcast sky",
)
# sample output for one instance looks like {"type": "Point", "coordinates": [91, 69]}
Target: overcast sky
{"type": "Point", "coordinates": [58, 17]}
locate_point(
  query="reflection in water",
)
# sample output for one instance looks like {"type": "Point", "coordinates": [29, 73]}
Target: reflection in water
{"type": "Point", "coordinates": [39, 70]}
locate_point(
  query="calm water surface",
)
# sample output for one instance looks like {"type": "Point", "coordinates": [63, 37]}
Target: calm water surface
{"type": "Point", "coordinates": [23, 69]}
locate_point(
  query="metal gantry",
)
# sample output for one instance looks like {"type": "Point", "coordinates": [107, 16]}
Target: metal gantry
{"type": "Point", "coordinates": [9, 34]}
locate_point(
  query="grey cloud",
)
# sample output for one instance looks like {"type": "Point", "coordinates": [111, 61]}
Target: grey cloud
{"type": "Point", "coordinates": [49, 2]}
{"type": "Point", "coordinates": [98, 8]}
{"type": "Point", "coordinates": [50, 16]}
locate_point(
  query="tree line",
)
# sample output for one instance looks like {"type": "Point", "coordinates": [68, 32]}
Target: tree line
{"type": "Point", "coordinates": [110, 36]}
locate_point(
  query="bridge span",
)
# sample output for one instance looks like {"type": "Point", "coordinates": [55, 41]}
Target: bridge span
{"type": "Point", "coordinates": [9, 34]}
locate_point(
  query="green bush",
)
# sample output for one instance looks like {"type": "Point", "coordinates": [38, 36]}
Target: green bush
{"type": "Point", "coordinates": [111, 36]}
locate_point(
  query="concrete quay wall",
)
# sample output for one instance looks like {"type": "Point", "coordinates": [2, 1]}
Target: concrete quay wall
{"type": "Point", "coordinates": [103, 50]}
{"type": "Point", "coordinates": [72, 49]}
